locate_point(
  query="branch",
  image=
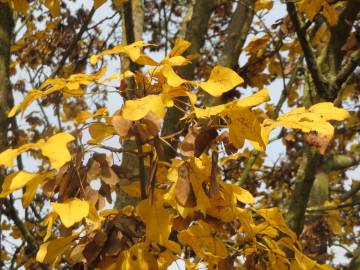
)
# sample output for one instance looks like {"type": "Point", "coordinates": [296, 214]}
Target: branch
{"type": "Point", "coordinates": [343, 161]}
{"type": "Point", "coordinates": [214, 187]}
{"type": "Point", "coordinates": [344, 197]}
{"type": "Point", "coordinates": [195, 29]}
{"type": "Point", "coordinates": [73, 44]}
{"type": "Point", "coordinates": [142, 172]}
{"type": "Point", "coordinates": [318, 78]}
{"type": "Point", "coordinates": [11, 213]}
{"type": "Point", "coordinates": [237, 32]}
{"type": "Point", "coordinates": [303, 184]}
{"type": "Point", "coordinates": [348, 69]}
{"type": "Point", "coordinates": [332, 207]}
{"type": "Point", "coordinates": [248, 166]}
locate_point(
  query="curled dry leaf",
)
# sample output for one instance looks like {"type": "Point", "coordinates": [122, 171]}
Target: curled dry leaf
{"type": "Point", "coordinates": [184, 192]}
{"type": "Point", "coordinates": [100, 167]}
{"type": "Point", "coordinates": [94, 247]}
{"type": "Point", "coordinates": [153, 123]}
{"type": "Point", "coordinates": [121, 125]}
{"type": "Point", "coordinates": [225, 139]}
{"type": "Point", "coordinates": [320, 141]}
{"type": "Point", "coordinates": [197, 141]}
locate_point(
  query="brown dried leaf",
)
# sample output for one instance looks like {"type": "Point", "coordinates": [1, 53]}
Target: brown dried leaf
{"type": "Point", "coordinates": [352, 43]}
{"type": "Point", "coordinates": [184, 192]}
{"type": "Point", "coordinates": [187, 147]}
{"type": "Point", "coordinates": [204, 139]}
{"type": "Point", "coordinates": [115, 244]}
{"type": "Point", "coordinates": [94, 247]}
{"type": "Point", "coordinates": [76, 255]}
{"type": "Point", "coordinates": [225, 139]}
{"type": "Point", "coordinates": [153, 123]}
{"type": "Point", "coordinates": [121, 125]}
{"type": "Point", "coordinates": [105, 191]}
{"type": "Point", "coordinates": [197, 141]}
{"type": "Point", "coordinates": [100, 167]}
{"type": "Point", "coordinates": [318, 140]}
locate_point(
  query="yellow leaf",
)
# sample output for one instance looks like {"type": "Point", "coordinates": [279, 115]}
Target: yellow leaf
{"type": "Point", "coordinates": [242, 195]}
{"type": "Point", "coordinates": [274, 217]}
{"type": "Point", "coordinates": [180, 46]}
{"type": "Point", "coordinates": [7, 157]}
{"type": "Point", "coordinates": [83, 116]}
{"type": "Point", "coordinates": [310, 7]}
{"type": "Point", "coordinates": [172, 78]}
{"type": "Point", "coordinates": [201, 238]}
{"type": "Point", "coordinates": [16, 181]}
{"type": "Point", "coordinates": [137, 109]}
{"type": "Point", "coordinates": [255, 99]}
{"type": "Point", "coordinates": [133, 189]}
{"type": "Point", "coordinates": [313, 119]}
{"type": "Point", "coordinates": [119, 77]}
{"type": "Point", "coordinates": [263, 4]}
{"type": "Point", "coordinates": [98, 3]}
{"type": "Point", "coordinates": [209, 111]}
{"type": "Point", "coordinates": [53, 6]}
{"type": "Point", "coordinates": [49, 222]}
{"type": "Point", "coordinates": [32, 187]}
{"type": "Point", "coordinates": [72, 211]}
{"type": "Point", "coordinates": [221, 80]}
{"type": "Point", "coordinates": [19, 5]}
{"type": "Point", "coordinates": [138, 257]}
{"type": "Point", "coordinates": [69, 86]}
{"type": "Point", "coordinates": [132, 50]}
{"type": "Point", "coordinates": [328, 111]}
{"type": "Point", "coordinates": [100, 131]}
{"type": "Point", "coordinates": [52, 251]}
{"type": "Point", "coordinates": [157, 220]}
{"type": "Point", "coordinates": [331, 13]}
{"type": "Point", "coordinates": [55, 149]}
{"type": "Point", "coordinates": [244, 124]}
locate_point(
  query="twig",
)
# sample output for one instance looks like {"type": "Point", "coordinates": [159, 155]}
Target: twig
{"type": "Point", "coordinates": [141, 167]}
{"type": "Point", "coordinates": [319, 80]}
{"type": "Point", "coordinates": [332, 207]}
{"type": "Point", "coordinates": [248, 166]}
{"type": "Point", "coordinates": [214, 187]}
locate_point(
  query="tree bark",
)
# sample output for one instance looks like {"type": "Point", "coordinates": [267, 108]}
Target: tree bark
{"type": "Point", "coordinates": [132, 30]}
{"type": "Point", "coordinates": [194, 29]}
{"type": "Point", "coordinates": [6, 100]}
{"type": "Point", "coordinates": [6, 25]}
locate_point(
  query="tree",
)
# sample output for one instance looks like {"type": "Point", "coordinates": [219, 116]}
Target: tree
{"type": "Point", "coordinates": [178, 170]}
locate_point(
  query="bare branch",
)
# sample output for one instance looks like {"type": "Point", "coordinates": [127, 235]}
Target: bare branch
{"type": "Point", "coordinates": [318, 78]}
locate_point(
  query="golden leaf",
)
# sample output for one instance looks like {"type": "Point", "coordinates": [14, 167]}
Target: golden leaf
{"type": "Point", "coordinates": [201, 238]}
{"type": "Point", "coordinates": [16, 181]}
{"type": "Point", "coordinates": [137, 109]}
{"type": "Point", "coordinates": [55, 149]}
{"type": "Point", "coordinates": [100, 131]}
{"type": "Point", "coordinates": [53, 6]}
{"type": "Point", "coordinates": [72, 211]}
{"type": "Point", "coordinates": [221, 80]}
{"type": "Point", "coordinates": [274, 217]}
{"type": "Point", "coordinates": [310, 7]}
{"type": "Point", "coordinates": [157, 220]}
{"type": "Point", "coordinates": [313, 119]}
{"type": "Point", "coordinates": [98, 3]}
{"type": "Point", "coordinates": [263, 4]}
{"type": "Point", "coordinates": [52, 251]}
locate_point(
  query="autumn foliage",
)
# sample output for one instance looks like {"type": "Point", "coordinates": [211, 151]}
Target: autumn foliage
{"type": "Point", "coordinates": [179, 207]}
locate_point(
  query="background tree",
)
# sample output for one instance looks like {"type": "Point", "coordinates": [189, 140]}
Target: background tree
{"type": "Point", "coordinates": [162, 138]}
